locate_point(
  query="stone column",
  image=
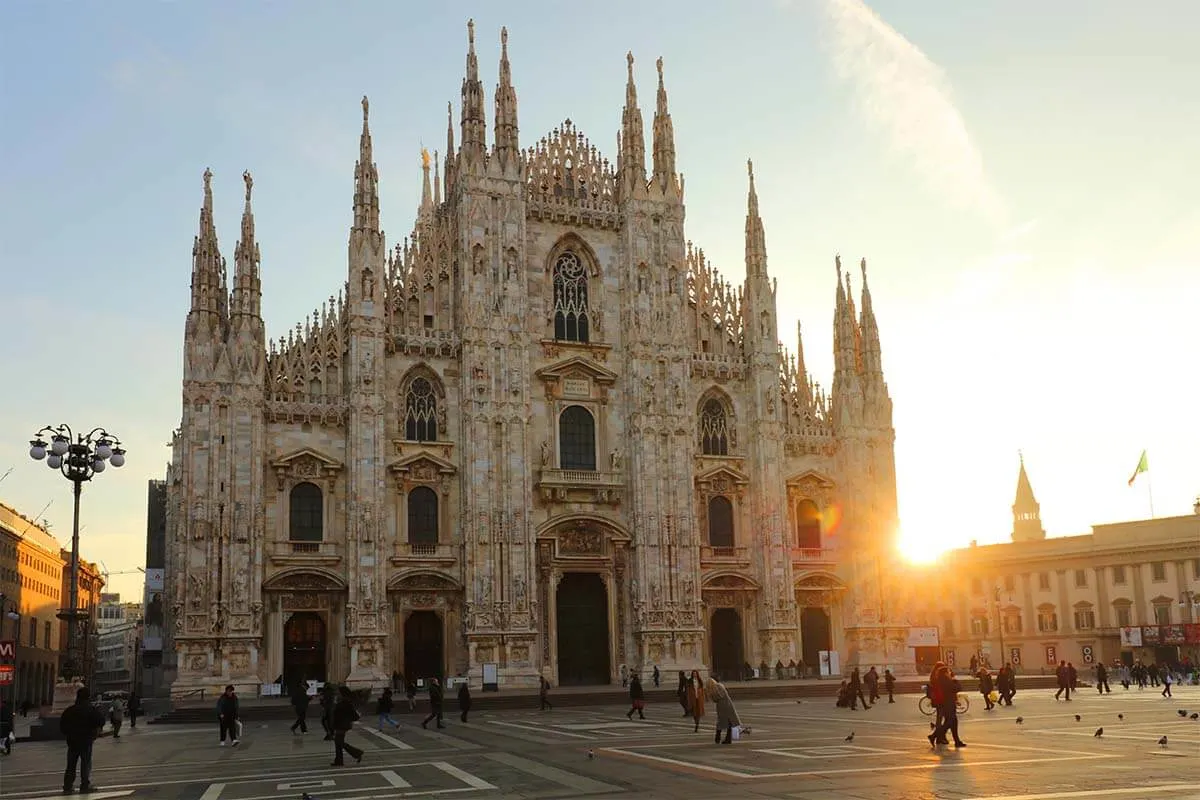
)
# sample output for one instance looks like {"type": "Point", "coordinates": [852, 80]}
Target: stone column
{"type": "Point", "coordinates": [274, 643]}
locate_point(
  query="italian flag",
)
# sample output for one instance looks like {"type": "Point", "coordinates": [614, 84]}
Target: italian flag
{"type": "Point", "coordinates": [1142, 466]}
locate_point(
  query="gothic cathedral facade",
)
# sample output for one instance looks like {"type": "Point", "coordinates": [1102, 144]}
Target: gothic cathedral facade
{"type": "Point", "coordinates": [542, 436]}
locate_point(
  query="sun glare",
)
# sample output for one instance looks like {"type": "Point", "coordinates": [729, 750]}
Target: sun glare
{"type": "Point", "coordinates": [920, 549]}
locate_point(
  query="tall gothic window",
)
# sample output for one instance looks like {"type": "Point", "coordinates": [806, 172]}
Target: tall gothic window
{"type": "Point", "coordinates": [420, 414]}
{"type": "Point", "coordinates": [720, 522]}
{"type": "Point", "coordinates": [422, 516]}
{"type": "Point", "coordinates": [570, 299]}
{"type": "Point", "coordinates": [305, 521]}
{"type": "Point", "coordinates": [808, 525]}
{"type": "Point", "coordinates": [577, 439]}
{"type": "Point", "coordinates": [714, 429]}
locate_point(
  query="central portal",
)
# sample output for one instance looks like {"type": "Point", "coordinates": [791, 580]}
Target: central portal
{"type": "Point", "coordinates": [303, 648]}
{"type": "Point", "coordinates": [582, 605]}
{"type": "Point", "coordinates": [727, 660]}
{"type": "Point", "coordinates": [422, 646]}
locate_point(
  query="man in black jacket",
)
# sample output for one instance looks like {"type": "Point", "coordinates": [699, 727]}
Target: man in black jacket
{"type": "Point", "coordinates": [80, 725]}
{"type": "Point", "coordinates": [300, 704]}
{"type": "Point", "coordinates": [435, 703]}
{"type": "Point", "coordinates": [344, 717]}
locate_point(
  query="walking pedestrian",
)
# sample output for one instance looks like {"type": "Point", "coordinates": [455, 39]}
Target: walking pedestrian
{"type": "Point", "coordinates": [80, 725]}
{"type": "Point", "coordinates": [933, 690]}
{"type": "Point", "coordinates": [1167, 680]}
{"type": "Point", "coordinates": [856, 692]}
{"type": "Point", "coordinates": [227, 715]}
{"type": "Point", "coordinates": [344, 717]}
{"type": "Point", "coordinates": [637, 698]}
{"type": "Point", "coordinates": [383, 707]}
{"type": "Point", "coordinates": [986, 685]}
{"type": "Point", "coordinates": [464, 700]}
{"type": "Point", "coordinates": [682, 693]}
{"type": "Point", "coordinates": [1006, 684]}
{"type": "Point", "coordinates": [410, 692]}
{"type": "Point", "coordinates": [889, 683]}
{"type": "Point", "coordinates": [657, 676]}
{"type": "Point", "coordinates": [328, 702]}
{"type": "Point", "coordinates": [544, 694]}
{"type": "Point", "coordinates": [1102, 679]}
{"type": "Point", "coordinates": [116, 715]}
{"type": "Point", "coordinates": [6, 727]}
{"type": "Point", "coordinates": [871, 679]}
{"type": "Point", "coordinates": [1064, 680]}
{"type": "Point", "coordinates": [435, 704]}
{"type": "Point", "coordinates": [135, 702]}
{"type": "Point", "coordinates": [695, 698]}
{"type": "Point", "coordinates": [300, 702]}
{"type": "Point", "coordinates": [948, 688]}
{"type": "Point", "coordinates": [727, 716]}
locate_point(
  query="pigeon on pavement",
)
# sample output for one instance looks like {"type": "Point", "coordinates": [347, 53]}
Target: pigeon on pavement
{"type": "Point", "coordinates": [1195, 716]}
{"type": "Point", "coordinates": [1120, 716]}
{"type": "Point", "coordinates": [1162, 742]}
{"type": "Point", "coordinates": [1077, 718]}
{"type": "Point", "coordinates": [1183, 712]}
{"type": "Point", "coordinates": [850, 738]}
{"type": "Point", "coordinates": [1099, 732]}
{"type": "Point", "coordinates": [591, 755]}
{"type": "Point", "coordinates": [1020, 720]}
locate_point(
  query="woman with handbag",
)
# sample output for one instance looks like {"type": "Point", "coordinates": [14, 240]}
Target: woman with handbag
{"type": "Point", "coordinates": [344, 717]}
{"type": "Point", "coordinates": [695, 698]}
{"type": "Point", "coordinates": [727, 716]}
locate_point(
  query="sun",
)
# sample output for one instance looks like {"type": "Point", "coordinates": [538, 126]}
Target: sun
{"type": "Point", "coordinates": [921, 547]}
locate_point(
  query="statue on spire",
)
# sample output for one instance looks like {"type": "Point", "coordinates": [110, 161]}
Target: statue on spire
{"type": "Point", "coordinates": [629, 62]}
{"type": "Point", "coordinates": [249, 184]}
{"type": "Point", "coordinates": [366, 107]}
{"type": "Point", "coordinates": [208, 179]}
{"type": "Point", "coordinates": [862, 265]}
{"type": "Point", "coordinates": [659, 64]}
{"type": "Point", "coordinates": [471, 32]}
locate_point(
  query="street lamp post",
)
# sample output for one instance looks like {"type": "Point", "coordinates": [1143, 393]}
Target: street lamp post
{"type": "Point", "coordinates": [79, 457]}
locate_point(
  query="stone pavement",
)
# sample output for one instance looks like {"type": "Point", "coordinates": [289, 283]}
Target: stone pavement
{"type": "Point", "coordinates": [795, 750]}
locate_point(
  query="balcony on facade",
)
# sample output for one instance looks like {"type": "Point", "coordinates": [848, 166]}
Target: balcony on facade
{"type": "Point", "coordinates": [426, 553]}
{"type": "Point", "coordinates": [581, 486]}
{"type": "Point", "coordinates": [809, 558]}
{"type": "Point", "coordinates": [304, 552]}
{"type": "Point", "coordinates": [719, 557]}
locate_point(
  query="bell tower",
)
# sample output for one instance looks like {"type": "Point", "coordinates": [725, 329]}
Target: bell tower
{"type": "Point", "coordinates": [1027, 512]}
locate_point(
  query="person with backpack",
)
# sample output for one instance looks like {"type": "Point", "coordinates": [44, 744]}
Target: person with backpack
{"type": "Point", "coordinates": [342, 720]}
{"type": "Point", "coordinates": [227, 716]}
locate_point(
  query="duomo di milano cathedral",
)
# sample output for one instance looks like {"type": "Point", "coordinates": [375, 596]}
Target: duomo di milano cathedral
{"type": "Point", "coordinates": [541, 434]}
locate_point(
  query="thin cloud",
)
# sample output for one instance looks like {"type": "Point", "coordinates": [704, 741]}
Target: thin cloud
{"type": "Point", "coordinates": [906, 96]}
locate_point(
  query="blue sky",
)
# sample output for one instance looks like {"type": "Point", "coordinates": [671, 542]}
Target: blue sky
{"type": "Point", "coordinates": [1021, 177]}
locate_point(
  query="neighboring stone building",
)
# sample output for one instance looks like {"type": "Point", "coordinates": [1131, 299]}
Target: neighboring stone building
{"type": "Point", "coordinates": [31, 582]}
{"type": "Point", "coordinates": [541, 433]}
{"type": "Point", "coordinates": [91, 585]}
{"type": "Point", "coordinates": [1127, 590]}
{"type": "Point", "coordinates": [116, 664]}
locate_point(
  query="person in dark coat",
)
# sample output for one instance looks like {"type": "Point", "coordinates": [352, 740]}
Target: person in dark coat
{"type": "Point", "coordinates": [80, 725]}
{"type": "Point", "coordinates": [135, 700]}
{"type": "Point", "coordinates": [637, 697]}
{"type": "Point", "coordinates": [1102, 678]}
{"type": "Point", "coordinates": [464, 700]}
{"type": "Point", "coordinates": [889, 683]}
{"type": "Point", "coordinates": [300, 703]}
{"type": "Point", "coordinates": [344, 716]}
{"type": "Point", "coordinates": [435, 704]}
{"type": "Point", "coordinates": [856, 692]}
{"type": "Point", "coordinates": [383, 707]}
{"type": "Point", "coordinates": [681, 693]}
{"type": "Point", "coordinates": [657, 676]}
{"type": "Point", "coordinates": [947, 698]}
{"type": "Point", "coordinates": [544, 694]}
{"type": "Point", "coordinates": [227, 715]}
{"type": "Point", "coordinates": [985, 687]}
{"type": "Point", "coordinates": [328, 701]}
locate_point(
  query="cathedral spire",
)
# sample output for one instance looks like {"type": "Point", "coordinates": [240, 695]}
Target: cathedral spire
{"type": "Point", "coordinates": [247, 286]}
{"type": "Point", "coordinates": [844, 328]}
{"type": "Point", "coordinates": [1027, 517]}
{"type": "Point", "coordinates": [508, 148]}
{"type": "Point", "coordinates": [871, 355]}
{"type": "Point", "coordinates": [366, 180]}
{"type": "Point", "coordinates": [449, 146]}
{"type": "Point", "coordinates": [437, 182]}
{"type": "Point", "coordinates": [802, 381]}
{"type": "Point", "coordinates": [474, 124]}
{"type": "Point", "coordinates": [426, 185]}
{"type": "Point", "coordinates": [664, 140]}
{"type": "Point", "coordinates": [756, 245]}
{"type": "Point", "coordinates": [208, 268]}
{"type": "Point", "coordinates": [633, 139]}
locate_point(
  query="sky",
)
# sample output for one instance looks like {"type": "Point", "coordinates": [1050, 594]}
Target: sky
{"type": "Point", "coordinates": [1019, 175]}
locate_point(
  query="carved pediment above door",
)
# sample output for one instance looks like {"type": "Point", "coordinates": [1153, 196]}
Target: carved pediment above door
{"type": "Point", "coordinates": [722, 479]}
{"type": "Point", "coordinates": [577, 377]}
{"type": "Point", "coordinates": [422, 467]}
{"type": "Point", "coordinates": [811, 485]}
{"type": "Point", "coordinates": [305, 465]}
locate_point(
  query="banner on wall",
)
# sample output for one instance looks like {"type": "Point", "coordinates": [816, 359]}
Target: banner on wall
{"type": "Point", "coordinates": [1150, 635]}
{"type": "Point", "coordinates": [1051, 654]}
{"type": "Point", "coordinates": [1173, 634]}
{"type": "Point", "coordinates": [1131, 637]}
{"type": "Point", "coordinates": [1191, 633]}
{"type": "Point", "coordinates": [1089, 655]}
{"type": "Point", "coordinates": [923, 637]}
{"type": "Point", "coordinates": [1014, 655]}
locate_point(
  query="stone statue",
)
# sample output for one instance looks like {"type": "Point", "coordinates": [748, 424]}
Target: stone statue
{"type": "Point", "coordinates": [519, 591]}
{"type": "Point", "coordinates": [240, 586]}
{"type": "Point", "coordinates": [615, 458]}
{"type": "Point", "coordinates": [366, 590]}
{"type": "Point", "coordinates": [250, 185]}
{"type": "Point", "coordinates": [546, 452]}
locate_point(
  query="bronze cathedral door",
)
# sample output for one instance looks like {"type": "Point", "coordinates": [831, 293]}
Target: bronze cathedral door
{"type": "Point", "coordinates": [582, 606]}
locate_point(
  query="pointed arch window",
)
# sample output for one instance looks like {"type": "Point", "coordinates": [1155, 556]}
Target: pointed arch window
{"type": "Point", "coordinates": [422, 516]}
{"type": "Point", "coordinates": [306, 507]}
{"type": "Point", "coordinates": [808, 525]}
{"type": "Point", "coordinates": [720, 522]}
{"type": "Point", "coordinates": [714, 429]}
{"type": "Point", "coordinates": [577, 439]}
{"type": "Point", "coordinates": [420, 412]}
{"type": "Point", "coordinates": [570, 299]}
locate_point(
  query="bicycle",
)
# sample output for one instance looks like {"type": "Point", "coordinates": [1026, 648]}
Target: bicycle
{"type": "Point", "coordinates": [961, 703]}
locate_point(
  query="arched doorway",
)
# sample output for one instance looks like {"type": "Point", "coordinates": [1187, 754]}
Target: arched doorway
{"type": "Point", "coordinates": [423, 658]}
{"type": "Point", "coordinates": [726, 643]}
{"type": "Point", "coordinates": [815, 636]}
{"type": "Point", "coordinates": [582, 606]}
{"type": "Point", "coordinates": [304, 648]}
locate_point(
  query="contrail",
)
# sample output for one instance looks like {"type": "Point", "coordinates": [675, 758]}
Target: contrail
{"type": "Point", "coordinates": [906, 96]}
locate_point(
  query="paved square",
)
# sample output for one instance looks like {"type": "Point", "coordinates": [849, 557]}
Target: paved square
{"type": "Point", "coordinates": [795, 750]}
